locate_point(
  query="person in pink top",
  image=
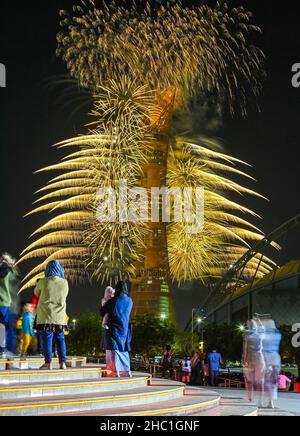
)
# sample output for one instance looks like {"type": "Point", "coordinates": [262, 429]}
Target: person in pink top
{"type": "Point", "coordinates": [284, 382]}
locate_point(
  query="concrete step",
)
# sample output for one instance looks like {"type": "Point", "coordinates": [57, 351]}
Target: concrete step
{"type": "Point", "coordinates": [274, 412]}
{"type": "Point", "coordinates": [155, 393]}
{"type": "Point", "coordinates": [53, 388]}
{"type": "Point", "coordinates": [88, 390]}
{"type": "Point", "coordinates": [200, 402]}
{"type": "Point", "coordinates": [34, 362]}
{"type": "Point", "coordinates": [13, 377]}
{"type": "Point", "coordinates": [231, 407]}
{"type": "Point", "coordinates": [188, 404]}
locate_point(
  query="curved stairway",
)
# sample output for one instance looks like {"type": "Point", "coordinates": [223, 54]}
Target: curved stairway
{"type": "Point", "coordinates": [85, 389]}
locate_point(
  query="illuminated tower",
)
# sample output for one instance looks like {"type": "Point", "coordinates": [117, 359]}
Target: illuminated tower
{"type": "Point", "coordinates": [151, 287]}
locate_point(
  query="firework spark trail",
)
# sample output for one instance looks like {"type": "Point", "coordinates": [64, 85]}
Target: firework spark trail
{"type": "Point", "coordinates": [199, 49]}
{"type": "Point", "coordinates": [225, 236]}
{"type": "Point", "coordinates": [111, 151]}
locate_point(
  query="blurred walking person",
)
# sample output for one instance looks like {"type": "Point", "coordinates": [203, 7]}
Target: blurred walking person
{"type": "Point", "coordinates": [52, 292]}
{"type": "Point", "coordinates": [271, 345]}
{"type": "Point", "coordinates": [253, 360]}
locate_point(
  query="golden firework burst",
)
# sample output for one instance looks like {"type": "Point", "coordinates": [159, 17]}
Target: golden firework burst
{"type": "Point", "coordinates": [197, 49]}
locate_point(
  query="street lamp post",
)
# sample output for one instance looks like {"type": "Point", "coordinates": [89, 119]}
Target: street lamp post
{"type": "Point", "coordinates": [202, 333]}
{"type": "Point", "coordinates": [194, 310]}
{"type": "Point", "coordinates": [200, 322]}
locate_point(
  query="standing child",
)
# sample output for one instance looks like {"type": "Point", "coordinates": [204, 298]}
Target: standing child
{"type": "Point", "coordinates": [186, 370]}
{"type": "Point", "coordinates": [109, 293]}
{"type": "Point", "coordinates": [284, 383]}
{"type": "Point", "coordinates": [28, 334]}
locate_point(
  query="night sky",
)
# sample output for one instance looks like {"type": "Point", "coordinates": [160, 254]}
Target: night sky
{"type": "Point", "coordinates": [32, 119]}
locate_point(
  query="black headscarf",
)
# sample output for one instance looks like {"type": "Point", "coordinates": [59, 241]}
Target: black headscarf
{"type": "Point", "coordinates": [121, 288]}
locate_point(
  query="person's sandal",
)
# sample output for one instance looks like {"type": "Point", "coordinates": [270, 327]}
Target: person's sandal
{"type": "Point", "coordinates": [46, 366]}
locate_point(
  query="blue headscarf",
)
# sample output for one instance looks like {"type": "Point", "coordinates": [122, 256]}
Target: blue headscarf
{"type": "Point", "coordinates": [55, 268]}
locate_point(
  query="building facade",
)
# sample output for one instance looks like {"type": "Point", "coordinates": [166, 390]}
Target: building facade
{"type": "Point", "coordinates": [277, 294]}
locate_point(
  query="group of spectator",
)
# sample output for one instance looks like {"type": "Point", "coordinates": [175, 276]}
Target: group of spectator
{"type": "Point", "coordinates": [42, 322]}
{"type": "Point", "coordinates": [42, 325]}
{"type": "Point", "coordinates": [194, 369]}
{"type": "Point", "coordinates": [198, 371]}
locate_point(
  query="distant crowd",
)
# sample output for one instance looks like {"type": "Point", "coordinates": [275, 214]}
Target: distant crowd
{"type": "Point", "coordinates": [194, 369]}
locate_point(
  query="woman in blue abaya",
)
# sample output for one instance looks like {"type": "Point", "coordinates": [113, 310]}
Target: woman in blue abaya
{"type": "Point", "coordinates": [117, 337]}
